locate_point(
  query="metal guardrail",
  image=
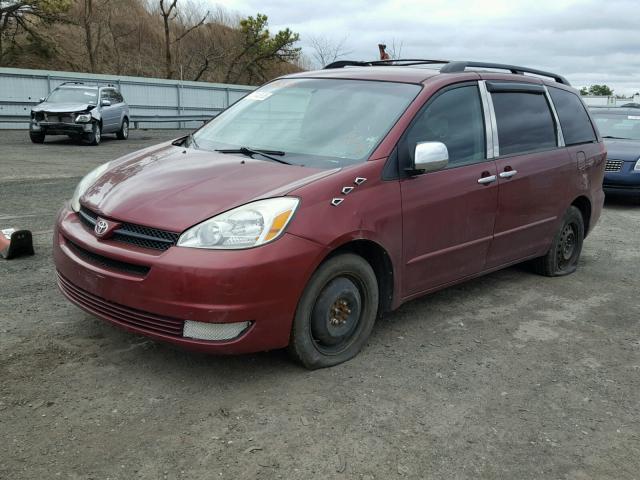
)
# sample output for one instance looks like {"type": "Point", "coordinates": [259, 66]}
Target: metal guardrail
{"type": "Point", "coordinates": [153, 102]}
{"type": "Point", "coordinates": [134, 119]}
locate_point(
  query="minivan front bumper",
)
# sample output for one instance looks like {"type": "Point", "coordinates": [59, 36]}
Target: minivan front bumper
{"type": "Point", "coordinates": [260, 286]}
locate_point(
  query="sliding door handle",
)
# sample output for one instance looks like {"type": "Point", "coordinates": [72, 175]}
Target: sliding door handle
{"type": "Point", "coordinates": [486, 180]}
{"type": "Point", "coordinates": [508, 173]}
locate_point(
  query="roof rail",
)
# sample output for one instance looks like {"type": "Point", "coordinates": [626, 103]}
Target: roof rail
{"type": "Point", "coordinates": [400, 62]}
{"type": "Point", "coordinates": [449, 67]}
{"type": "Point", "coordinates": [456, 67]}
{"type": "Point", "coordinates": [75, 82]}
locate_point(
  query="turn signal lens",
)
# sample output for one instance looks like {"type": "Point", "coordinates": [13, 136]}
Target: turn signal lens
{"type": "Point", "coordinates": [279, 222]}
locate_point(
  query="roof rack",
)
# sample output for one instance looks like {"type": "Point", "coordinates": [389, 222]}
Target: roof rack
{"type": "Point", "coordinates": [448, 67]}
{"type": "Point", "coordinates": [401, 62]}
{"type": "Point", "coordinates": [91, 84]}
{"type": "Point", "coordinates": [455, 67]}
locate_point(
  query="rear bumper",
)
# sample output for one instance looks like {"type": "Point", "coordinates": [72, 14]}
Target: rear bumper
{"type": "Point", "coordinates": [260, 285]}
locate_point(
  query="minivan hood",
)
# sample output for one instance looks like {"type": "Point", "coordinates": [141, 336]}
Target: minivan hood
{"type": "Point", "coordinates": [627, 150]}
{"type": "Point", "coordinates": [173, 188]}
{"type": "Point", "coordinates": [62, 107]}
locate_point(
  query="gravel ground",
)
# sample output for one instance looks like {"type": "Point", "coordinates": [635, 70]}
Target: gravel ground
{"type": "Point", "coordinates": [508, 376]}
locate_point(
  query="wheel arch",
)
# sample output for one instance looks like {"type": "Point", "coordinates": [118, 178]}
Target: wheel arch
{"type": "Point", "coordinates": [583, 204]}
{"type": "Point", "coordinates": [378, 257]}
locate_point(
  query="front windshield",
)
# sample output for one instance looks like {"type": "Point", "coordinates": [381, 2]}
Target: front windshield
{"type": "Point", "coordinates": [73, 95]}
{"type": "Point", "coordinates": [618, 125]}
{"type": "Point", "coordinates": [323, 123]}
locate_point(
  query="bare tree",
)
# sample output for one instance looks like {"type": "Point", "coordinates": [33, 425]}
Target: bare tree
{"type": "Point", "coordinates": [395, 52]}
{"type": "Point", "coordinates": [169, 13]}
{"type": "Point", "coordinates": [92, 23]}
{"type": "Point", "coordinates": [325, 50]}
{"type": "Point", "coordinates": [117, 33]}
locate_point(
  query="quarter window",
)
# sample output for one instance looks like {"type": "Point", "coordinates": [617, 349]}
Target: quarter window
{"type": "Point", "coordinates": [524, 122]}
{"type": "Point", "coordinates": [455, 119]}
{"type": "Point", "coordinates": [575, 123]}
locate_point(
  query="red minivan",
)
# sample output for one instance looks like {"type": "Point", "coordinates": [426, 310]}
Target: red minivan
{"type": "Point", "coordinates": [323, 199]}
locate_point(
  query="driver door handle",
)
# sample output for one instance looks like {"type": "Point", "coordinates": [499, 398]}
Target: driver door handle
{"type": "Point", "coordinates": [487, 179]}
{"type": "Point", "coordinates": [508, 173]}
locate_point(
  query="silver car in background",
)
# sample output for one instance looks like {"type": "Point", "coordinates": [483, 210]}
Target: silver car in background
{"type": "Point", "coordinates": [83, 112]}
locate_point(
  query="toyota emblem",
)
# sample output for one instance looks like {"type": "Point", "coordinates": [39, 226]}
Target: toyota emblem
{"type": "Point", "coordinates": [101, 227]}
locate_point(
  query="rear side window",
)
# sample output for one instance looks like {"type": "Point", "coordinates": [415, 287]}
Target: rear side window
{"type": "Point", "coordinates": [524, 122]}
{"type": "Point", "coordinates": [455, 119]}
{"type": "Point", "coordinates": [575, 123]}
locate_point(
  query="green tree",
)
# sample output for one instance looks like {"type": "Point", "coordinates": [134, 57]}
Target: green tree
{"type": "Point", "coordinates": [602, 90]}
{"type": "Point", "coordinates": [27, 17]}
{"type": "Point", "coordinates": [257, 49]}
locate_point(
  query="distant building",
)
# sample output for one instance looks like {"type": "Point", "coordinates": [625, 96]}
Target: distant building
{"type": "Point", "coordinates": [609, 101]}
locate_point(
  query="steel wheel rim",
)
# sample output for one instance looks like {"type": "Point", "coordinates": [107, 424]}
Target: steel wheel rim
{"type": "Point", "coordinates": [567, 246]}
{"type": "Point", "coordinates": [336, 317]}
{"type": "Point", "coordinates": [125, 129]}
{"type": "Point", "coordinates": [97, 134]}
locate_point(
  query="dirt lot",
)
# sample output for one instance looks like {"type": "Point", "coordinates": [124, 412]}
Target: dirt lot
{"type": "Point", "coordinates": [509, 376]}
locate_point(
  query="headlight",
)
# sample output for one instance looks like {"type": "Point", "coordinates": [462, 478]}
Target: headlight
{"type": "Point", "coordinates": [637, 167]}
{"type": "Point", "coordinates": [85, 183]}
{"type": "Point", "coordinates": [83, 118]}
{"type": "Point", "coordinates": [247, 226]}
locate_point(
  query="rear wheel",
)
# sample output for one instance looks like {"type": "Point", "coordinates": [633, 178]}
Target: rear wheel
{"type": "Point", "coordinates": [562, 258]}
{"type": "Point", "coordinates": [336, 312]}
{"type": "Point", "coordinates": [123, 133]}
{"type": "Point", "coordinates": [36, 137]}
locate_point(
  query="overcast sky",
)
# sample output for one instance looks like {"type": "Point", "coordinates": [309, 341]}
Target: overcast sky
{"type": "Point", "coordinates": [587, 41]}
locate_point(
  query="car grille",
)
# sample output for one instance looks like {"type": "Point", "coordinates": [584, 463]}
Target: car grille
{"type": "Point", "coordinates": [106, 262]}
{"type": "Point", "coordinates": [139, 235]}
{"type": "Point", "coordinates": [119, 313]}
{"type": "Point", "coordinates": [613, 166]}
{"type": "Point", "coordinates": [59, 118]}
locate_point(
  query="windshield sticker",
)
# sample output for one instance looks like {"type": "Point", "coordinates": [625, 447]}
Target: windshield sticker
{"type": "Point", "coordinates": [259, 96]}
{"type": "Point", "coordinates": [633, 117]}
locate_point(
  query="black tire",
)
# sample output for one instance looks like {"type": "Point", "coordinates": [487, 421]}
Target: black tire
{"type": "Point", "coordinates": [123, 133]}
{"type": "Point", "coordinates": [95, 136]}
{"type": "Point", "coordinates": [36, 137]}
{"type": "Point", "coordinates": [562, 258]}
{"type": "Point", "coordinates": [336, 312]}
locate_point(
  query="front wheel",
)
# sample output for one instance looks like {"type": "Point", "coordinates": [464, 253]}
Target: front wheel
{"type": "Point", "coordinates": [336, 312]}
{"type": "Point", "coordinates": [95, 136]}
{"type": "Point", "coordinates": [36, 137]}
{"type": "Point", "coordinates": [123, 133]}
{"type": "Point", "coordinates": [562, 258]}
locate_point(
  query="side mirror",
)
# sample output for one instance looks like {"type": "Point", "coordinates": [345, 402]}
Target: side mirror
{"type": "Point", "coordinates": [42, 99]}
{"type": "Point", "coordinates": [430, 156]}
{"type": "Point", "coordinates": [105, 103]}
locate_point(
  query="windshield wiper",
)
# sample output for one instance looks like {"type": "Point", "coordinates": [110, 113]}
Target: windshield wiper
{"type": "Point", "coordinates": [250, 152]}
{"type": "Point", "coordinates": [616, 138]}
